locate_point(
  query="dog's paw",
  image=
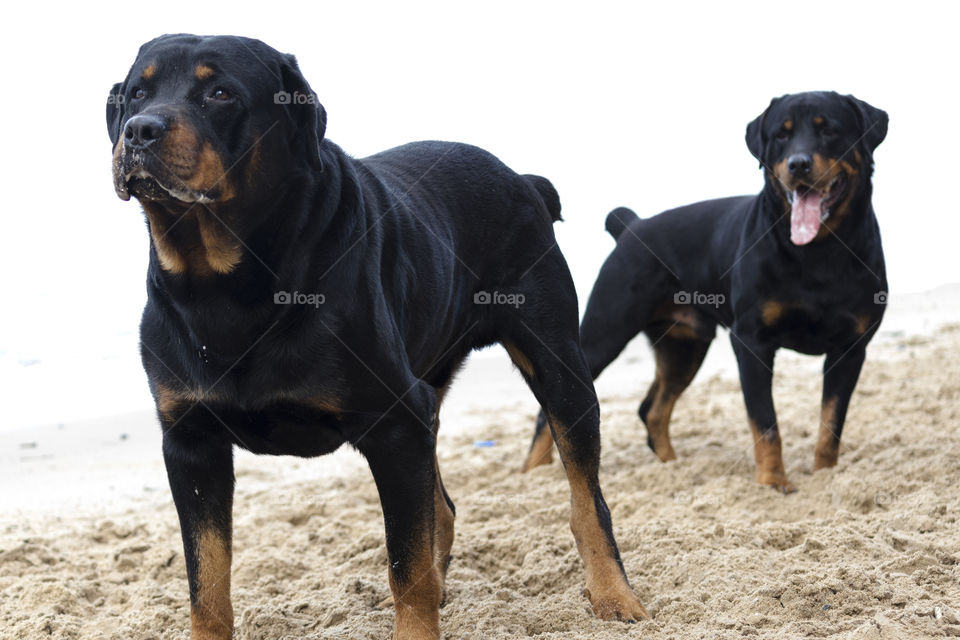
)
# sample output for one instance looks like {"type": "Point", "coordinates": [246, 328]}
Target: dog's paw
{"type": "Point", "coordinates": [619, 604]}
{"type": "Point", "coordinates": [777, 481]}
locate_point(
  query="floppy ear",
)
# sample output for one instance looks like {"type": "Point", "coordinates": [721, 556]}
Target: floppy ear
{"type": "Point", "coordinates": [308, 115]}
{"type": "Point", "coordinates": [754, 137]}
{"type": "Point", "coordinates": [873, 122]}
{"type": "Point", "coordinates": [115, 112]}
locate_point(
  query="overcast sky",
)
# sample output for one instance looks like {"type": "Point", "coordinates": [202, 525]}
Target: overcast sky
{"type": "Point", "coordinates": [638, 104]}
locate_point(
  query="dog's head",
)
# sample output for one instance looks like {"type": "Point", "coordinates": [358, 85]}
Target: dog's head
{"type": "Point", "coordinates": [817, 152]}
{"type": "Point", "coordinates": [210, 120]}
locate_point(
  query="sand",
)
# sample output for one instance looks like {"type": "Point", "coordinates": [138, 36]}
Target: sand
{"type": "Point", "coordinates": [867, 550]}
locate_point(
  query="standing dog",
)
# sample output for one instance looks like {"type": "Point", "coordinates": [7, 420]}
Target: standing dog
{"type": "Point", "coordinates": [299, 299]}
{"type": "Point", "coordinates": [798, 266]}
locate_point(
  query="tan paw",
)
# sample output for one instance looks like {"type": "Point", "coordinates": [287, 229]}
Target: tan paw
{"type": "Point", "coordinates": [776, 480]}
{"type": "Point", "coordinates": [621, 605]}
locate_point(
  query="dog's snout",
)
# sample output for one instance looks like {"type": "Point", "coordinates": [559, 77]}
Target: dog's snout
{"type": "Point", "coordinates": [799, 164]}
{"type": "Point", "coordinates": [143, 130]}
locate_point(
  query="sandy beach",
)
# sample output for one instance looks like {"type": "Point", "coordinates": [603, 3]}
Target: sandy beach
{"type": "Point", "coordinates": [90, 548]}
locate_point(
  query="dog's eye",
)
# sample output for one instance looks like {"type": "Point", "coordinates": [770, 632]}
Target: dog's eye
{"type": "Point", "coordinates": [139, 94]}
{"type": "Point", "coordinates": [220, 95]}
{"type": "Point", "coordinates": [783, 134]}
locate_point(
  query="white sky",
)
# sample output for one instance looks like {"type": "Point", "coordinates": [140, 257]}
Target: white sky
{"type": "Point", "coordinates": [624, 103]}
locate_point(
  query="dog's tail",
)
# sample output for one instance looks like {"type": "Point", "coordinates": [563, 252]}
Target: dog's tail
{"type": "Point", "coordinates": [549, 195]}
{"type": "Point", "coordinates": [619, 219]}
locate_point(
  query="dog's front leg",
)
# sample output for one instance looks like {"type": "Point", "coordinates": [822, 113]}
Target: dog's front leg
{"type": "Point", "coordinates": [755, 361]}
{"type": "Point", "coordinates": [840, 373]}
{"type": "Point", "coordinates": [199, 464]}
{"type": "Point", "coordinates": [401, 456]}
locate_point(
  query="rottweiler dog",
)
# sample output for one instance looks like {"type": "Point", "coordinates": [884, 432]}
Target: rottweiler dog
{"type": "Point", "coordinates": [300, 299]}
{"type": "Point", "coordinates": [798, 266]}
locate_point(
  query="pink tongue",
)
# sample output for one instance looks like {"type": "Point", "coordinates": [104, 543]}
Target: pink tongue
{"type": "Point", "coordinates": [805, 217]}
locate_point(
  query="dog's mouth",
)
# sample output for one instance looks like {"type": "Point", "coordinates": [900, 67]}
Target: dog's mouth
{"type": "Point", "coordinates": [811, 207]}
{"type": "Point", "coordinates": [133, 177]}
{"type": "Point", "coordinates": [143, 185]}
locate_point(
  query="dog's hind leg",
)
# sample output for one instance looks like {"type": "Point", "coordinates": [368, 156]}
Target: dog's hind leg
{"type": "Point", "coordinates": [678, 360]}
{"type": "Point", "coordinates": [543, 339]}
{"type": "Point", "coordinates": [616, 312]}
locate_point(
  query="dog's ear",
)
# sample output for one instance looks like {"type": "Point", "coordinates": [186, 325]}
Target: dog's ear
{"type": "Point", "coordinates": [308, 116]}
{"type": "Point", "coordinates": [755, 138]}
{"type": "Point", "coordinates": [115, 112]}
{"type": "Point", "coordinates": [873, 123]}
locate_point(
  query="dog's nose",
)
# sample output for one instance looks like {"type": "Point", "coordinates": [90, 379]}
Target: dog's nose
{"type": "Point", "coordinates": [143, 130]}
{"type": "Point", "coordinates": [799, 164]}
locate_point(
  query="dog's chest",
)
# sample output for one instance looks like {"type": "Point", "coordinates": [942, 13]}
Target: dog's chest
{"type": "Point", "coordinates": [811, 327]}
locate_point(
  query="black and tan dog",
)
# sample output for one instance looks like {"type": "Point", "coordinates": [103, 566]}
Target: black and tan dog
{"type": "Point", "coordinates": [799, 266]}
{"type": "Point", "coordinates": [300, 299]}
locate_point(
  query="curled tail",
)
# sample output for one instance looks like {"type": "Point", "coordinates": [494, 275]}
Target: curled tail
{"type": "Point", "coordinates": [619, 219]}
{"type": "Point", "coordinates": [549, 195]}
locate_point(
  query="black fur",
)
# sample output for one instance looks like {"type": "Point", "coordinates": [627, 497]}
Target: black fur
{"type": "Point", "coordinates": [413, 258]}
{"type": "Point", "coordinates": [678, 275]}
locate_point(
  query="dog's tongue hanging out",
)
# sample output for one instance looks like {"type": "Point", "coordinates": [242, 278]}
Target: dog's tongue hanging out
{"type": "Point", "coordinates": [805, 216]}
